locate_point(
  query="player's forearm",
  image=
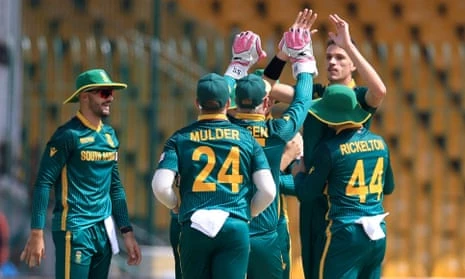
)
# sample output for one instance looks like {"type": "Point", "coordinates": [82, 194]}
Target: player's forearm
{"type": "Point", "coordinates": [285, 93]}
{"type": "Point", "coordinates": [376, 87]}
{"type": "Point", "coordinates": [286, 160]}
{"type": "Point", "coordinates": [116, 189]}
{"type": "Point", "coordinates": [282, 92]}
{"type": "Point", "coordinates": [309, 187]}
{"type": "Point", "coordinates": [266, 191]}
{"type": "Point", "coordinates": [388, 181]}
{"type": "Point", "coordinates": [303, 90]}
{"type": "Point", "coordinates": [40, 198]}
{"type": "Point", "coordinates": [162, 187]}
{"type": "Point", "coordinates": [286, 184]}
{"type": "Point", "coordinates": [120, 212]}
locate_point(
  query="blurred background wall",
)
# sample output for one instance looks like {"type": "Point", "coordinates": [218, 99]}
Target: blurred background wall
{"type": "Point", "coordinates": [161, 47]}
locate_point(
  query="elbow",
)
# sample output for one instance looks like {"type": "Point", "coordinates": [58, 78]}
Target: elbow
{"type": "Point", "coordinates": [266, 191]}
{"type": "Point", "coordinates": [156, 185]}
{"type": "Point", "coordinates": [375, 97]}
{"type": "Point", "coordinates": [380, 91]}
{"type": "Point", "coordinates": [271, 192]}
{"type": "Point", "coordinates": [162, 187]}
{"type": "Point", "coordinates": [388, 191]}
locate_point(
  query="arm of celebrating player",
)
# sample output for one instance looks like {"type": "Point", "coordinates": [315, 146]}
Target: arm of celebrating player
{"type": "Point", "coordinates": [293, 150]}
{"type": "Point", "coordinates": [282, 92]}
{"type": "Point", "coordinates": [309, 186]}
{"type": "Point", "coordinates": [162, 186]}
{"type": "Point", "coordinates": [388, 180]}
{"type": "Point", "coordinates": [376, 88]}
{"type": "Point", "coordinates": [266, 191]}
{"type": "Point", "coordinates": [286, 184]}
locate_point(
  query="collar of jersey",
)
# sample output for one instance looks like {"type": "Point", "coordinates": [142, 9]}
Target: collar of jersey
{"type": "Point", "coordinates": [86, 122]}
{"type": "Point", "coordinates": [250, 116]}
{"type": "Point", "coordinates": [218, 116]}
{"type": "Point", "coordinates": [351, 84]}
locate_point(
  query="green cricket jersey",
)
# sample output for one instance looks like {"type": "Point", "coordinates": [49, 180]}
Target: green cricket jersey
{"type": "Point", "coordinates": [80, 165]}
{"type": "Point", "coordinates": [286, 188]}
{"type": "Point", "coordinates": [314, 130]}
{"type": "Point", "coordinates": [273, 134]}
{"type": "Point", "coordinates": [355, 166]}
{"type": "Point", "coordinates": [215, 160]}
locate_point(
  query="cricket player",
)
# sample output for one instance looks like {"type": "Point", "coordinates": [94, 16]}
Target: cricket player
{"type": "Point", "coordinates": [80, 163]}
{"type": "Point", "coordinates": [342, 59]}
{"type": "Point", "coordinates": [225, 180]}
{"type": "Point", "coordinates": [352, 171]}
{"type": "Point", "coordinates": [252, 107]}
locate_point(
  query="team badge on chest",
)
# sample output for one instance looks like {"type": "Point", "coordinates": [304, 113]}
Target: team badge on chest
{"type": "Point", "coordinates": [110, 140]}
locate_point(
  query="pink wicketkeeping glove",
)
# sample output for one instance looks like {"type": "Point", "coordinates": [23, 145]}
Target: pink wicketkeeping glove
{"type": "Point", "coordinates": [297, 44]}
{"type": "Point", "coordinates": [246, 51]}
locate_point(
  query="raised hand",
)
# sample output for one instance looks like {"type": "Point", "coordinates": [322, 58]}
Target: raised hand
{"type": "Point", "coordinates": [297, 44]}
{"type": "Point", "coordinates": [294, 150]}
{"type": "Point", "coordinates": [246, 51]}
{"type": "Point", "coordinates": [305, 19]}
{"type": "Point", "coordinates": [247, 48]}
{"type": "Point", "coordinates": [342, 36]}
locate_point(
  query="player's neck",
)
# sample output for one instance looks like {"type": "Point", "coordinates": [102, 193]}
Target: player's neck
{"type": "Point", "coordinates": [340, 128]}
{"type": "Point", "coordinates": [93, 119]}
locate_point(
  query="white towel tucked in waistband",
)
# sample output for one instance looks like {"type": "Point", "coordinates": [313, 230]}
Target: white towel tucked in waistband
{"type": "Point", "coordinates": [209, 222]}
{"type": "Point", "coordinates": [372, 226]}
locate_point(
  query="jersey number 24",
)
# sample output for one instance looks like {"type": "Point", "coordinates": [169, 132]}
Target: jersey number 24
{"type": "Point", "coordinates": [231, 163]}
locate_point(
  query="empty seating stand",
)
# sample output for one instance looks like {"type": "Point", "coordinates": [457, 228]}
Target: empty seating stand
{"type": "Point", "coordinates": [417, 46]}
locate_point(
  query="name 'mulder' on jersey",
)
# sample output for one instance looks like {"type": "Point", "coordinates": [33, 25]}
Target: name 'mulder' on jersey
{"type": "Point", "coordinates": [214, 134]}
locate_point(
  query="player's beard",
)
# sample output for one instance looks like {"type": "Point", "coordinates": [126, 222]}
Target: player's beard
{"type": "Point", "coordinates": [101, 110]}
{"type": "Point", "coordinates": [105, 109]}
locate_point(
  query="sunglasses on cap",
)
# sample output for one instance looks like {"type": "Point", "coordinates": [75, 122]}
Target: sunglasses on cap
{"type": "Point", "coordinates": [103, 93]}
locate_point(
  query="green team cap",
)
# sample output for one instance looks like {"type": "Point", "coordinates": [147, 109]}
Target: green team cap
{"type": "Point", "coordinates": [211, 89]}
{"type": "Point", "coordinates": [250, 91]}
{"type": "Point", "coordinates": [91, 80]}
{"type": "Point", "coordinates": [260, 73]}
{"type": "Point", "coordinates": [232, 91]}
{"type": "Point", "coordinates": [339, 106]}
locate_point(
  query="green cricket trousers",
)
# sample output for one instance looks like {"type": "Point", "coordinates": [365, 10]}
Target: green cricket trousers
{"type": "Point", "coordinates": [83, 253]}
{"type": "Point", "coordinates": [223, 257]}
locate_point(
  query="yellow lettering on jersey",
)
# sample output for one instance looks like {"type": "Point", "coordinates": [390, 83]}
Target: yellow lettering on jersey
{"type": "Point", "coordinates": [214, 134]}
{"type": "Point", "coordinates": [361, 146]}
{"type": "Point", "coordinates": [87, 155]}
{"type": "Point", "coordinates": [86, 140]}
{"type": "Point", "coordinates": [259, 133]}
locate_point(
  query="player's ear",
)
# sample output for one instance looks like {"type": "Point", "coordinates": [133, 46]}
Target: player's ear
{"type": "Point", "coordinates": [197, 105]}
{"type": "Point", "coordinates": [267, 102]}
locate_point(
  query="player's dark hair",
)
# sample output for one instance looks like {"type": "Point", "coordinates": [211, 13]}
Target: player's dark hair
{"type": "Point", "coordinates": [332, 42]}
{"type": "Point", "coordinates": [211, 106]}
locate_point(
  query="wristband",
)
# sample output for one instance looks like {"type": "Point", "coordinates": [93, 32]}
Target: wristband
{"type": "Point", "coordinates": [274, 69]}
{"type": "Point", "coordinates": [126, 229]}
